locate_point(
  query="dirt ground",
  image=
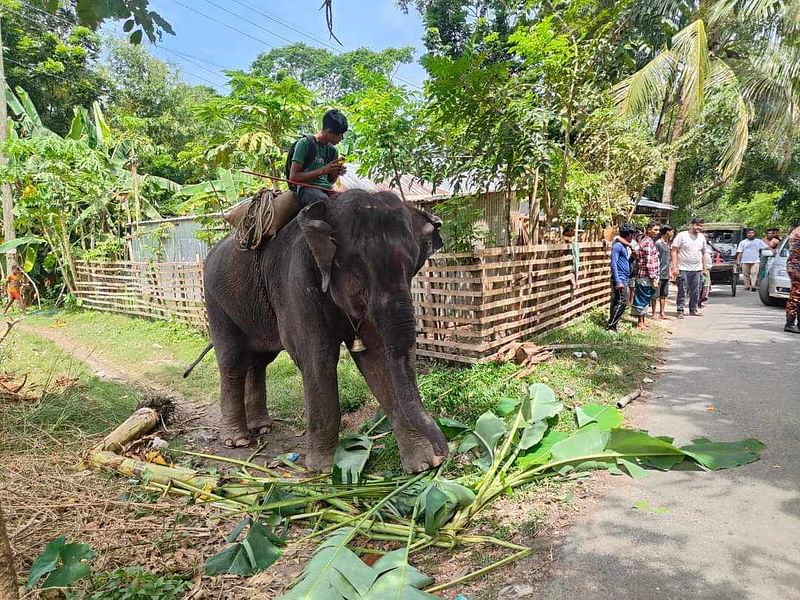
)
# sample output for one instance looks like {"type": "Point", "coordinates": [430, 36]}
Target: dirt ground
{"type": "Point", "coordinates": [127, 526]}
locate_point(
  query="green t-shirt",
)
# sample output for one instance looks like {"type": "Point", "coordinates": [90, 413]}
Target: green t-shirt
{"type": "Point", "coordinates": [325, 154]}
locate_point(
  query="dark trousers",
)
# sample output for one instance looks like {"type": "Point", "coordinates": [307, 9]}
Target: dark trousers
{"type": "Point", "coordinates": [690, 282]}
{"type": "Point", "coordinates": [793, 303]}
{"type": "Point", "coordinates": [619, 301]}
{"type": "Point", "coordinates": [307, 196]}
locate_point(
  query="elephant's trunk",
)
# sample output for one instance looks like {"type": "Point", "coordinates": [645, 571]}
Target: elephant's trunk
{"type": "Point", "coordinates": [395, 322]}
{"type": "Point", "coordinates": [394, 317]}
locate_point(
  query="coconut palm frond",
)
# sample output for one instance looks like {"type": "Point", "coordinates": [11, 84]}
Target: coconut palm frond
{"type": "Point", "coordinates": [691, 44]}
{"type": "Point", "coordinates": [734, 151]}
{"type": "Point", "coordinates": [720, 76]}
{"type": "Point", "coordinates": [643, 90]}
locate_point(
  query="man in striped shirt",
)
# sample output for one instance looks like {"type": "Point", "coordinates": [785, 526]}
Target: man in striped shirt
{"type": "Point", "coordinates": [647, 275]}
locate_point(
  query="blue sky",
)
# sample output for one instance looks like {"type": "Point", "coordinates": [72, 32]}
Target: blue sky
{"type": "Point", "coordinates": [375, 24]}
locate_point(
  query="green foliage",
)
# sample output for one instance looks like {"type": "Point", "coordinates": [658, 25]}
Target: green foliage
{"type": "Point", "coordinates": [461, 229]}
{"type": "Point", "coordinates": [62, 563]}
{"type": "Point", "coordinates": [152, 108]}
{"type": "Point", "coordinates": [386, 124]}
{"type": "Point", "coordinates": [134, 583]}
{"type": "Point", "coordinates": [335, 572]}
{"type": "Point", "coordinates": [259, 549]}
{"type": "Point", "coordinates": [137, 14]}
{"type": "Point", "coordinates": [53, 58]}
{"type": "Point", "coordinates": [465, 394]}
{"type": "Point", "coordinates": [255, 124]}
{"type": "Point", "coordinates": [604, 417]}
{"type": "Point", "coordinates": [332, 76]}
{"type": "Point", "coordinates": [350, 457]}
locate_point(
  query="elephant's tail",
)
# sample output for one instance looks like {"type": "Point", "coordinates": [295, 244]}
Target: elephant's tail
{"type": "Point", "coordinates": [196, 362]}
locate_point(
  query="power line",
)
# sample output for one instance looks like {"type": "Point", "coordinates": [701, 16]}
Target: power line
{"type": "Point", "coordinates": [287, 25]}
{"type": "Point", "coordinates": [252, 37]}
{"type": "Point", "coordinates": [195, 63]}
{"type": "Point", "coordinates": [238, 16]}
{"type": "Point", "coordinates": [223, 23]}
{"type": "Point", "coordinates": [201, 59]}
{"type": "Point", "coordinates": [334, 49]}
{"type": "Point", "coordinates": [186, 56]}
{"type": "Point", "coordinates": [56, 17]}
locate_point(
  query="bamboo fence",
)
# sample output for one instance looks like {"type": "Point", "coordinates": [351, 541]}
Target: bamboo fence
{"type": "Point", "coordinates": [470, 305]}
{"type": "Point", "coordinates": [171, 291]}
{"type": "Point", "coordinates": [467, 305]}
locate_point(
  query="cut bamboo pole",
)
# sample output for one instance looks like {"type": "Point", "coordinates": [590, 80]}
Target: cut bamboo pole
{"type": "Point", "coordinates": [625, 400]}
{"type": "Point", "coordinates": [152, 472]}
{"type": "Point", "coordinates": [135, 426]}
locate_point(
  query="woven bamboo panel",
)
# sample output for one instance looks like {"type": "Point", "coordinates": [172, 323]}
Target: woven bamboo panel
{"type": "Point", "coordinates": [170, 291]}
{"type": "Point", "coordinates": [467, 305]}
{"type": "Point", "coordinates": [470, 305]}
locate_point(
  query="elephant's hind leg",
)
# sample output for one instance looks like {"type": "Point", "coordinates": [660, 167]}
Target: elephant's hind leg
{"type": "Point", "coordinates": [234, 422]}
{"type": "Point", "coordinates": [255, 395]}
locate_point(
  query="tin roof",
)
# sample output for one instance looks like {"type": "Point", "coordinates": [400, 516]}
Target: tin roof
{"type": "Point", "coordinates": [414, 189]}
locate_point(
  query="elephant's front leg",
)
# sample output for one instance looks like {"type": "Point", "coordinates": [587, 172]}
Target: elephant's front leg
{"type": "Point", "coordinates": [320, 389]}
{"type": "Point", "coordinates": [393, 382]}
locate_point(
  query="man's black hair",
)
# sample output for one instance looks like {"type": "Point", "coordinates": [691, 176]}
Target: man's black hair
{"type": "Point", "coordinates": [698, 221]}
{"type": "Point", "coordinates": [627, 229]}
{"type": "Point", "coordinates": [749, 229]}
{"type": "Point", "coordinates": [334, 121]}
{"type": "Point", "coordinates": [652, 224]}
{"type": "Point", "coordinates": [664, 230]}
{"type": "Point", "coordinates": [773, 230]}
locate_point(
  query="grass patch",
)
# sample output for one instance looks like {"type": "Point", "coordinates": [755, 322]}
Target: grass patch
{"type": "Point", "coordinates": [159, 351]}
{"type": "Point", "coordinates": [466, 393]}
{"type": "Point", "coordinates": [72, 404]}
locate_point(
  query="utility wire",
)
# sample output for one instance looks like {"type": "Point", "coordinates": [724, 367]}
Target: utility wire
{"type": "Point", "coordinates": [252, 37]}
{"type": "Point", "coordinates": [238, 16]}
{"type": "Point", "coordinates": [332, 48]}
{"type": "Point", "coordinates": [223, 23]}
{"type": "Point", "coordinates": [56, 17]}
{"type": "Point", "coordinates": [186, 56]}
{"type": "Point", "coordinates": [287, 25]}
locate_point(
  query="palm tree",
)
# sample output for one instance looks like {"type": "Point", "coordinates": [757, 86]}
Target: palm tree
{"type": "Point", "coordinates": [732, 48]}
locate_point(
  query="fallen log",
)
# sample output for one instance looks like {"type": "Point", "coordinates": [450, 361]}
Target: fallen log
{"type": "Point", "coordinates": [625, 400]}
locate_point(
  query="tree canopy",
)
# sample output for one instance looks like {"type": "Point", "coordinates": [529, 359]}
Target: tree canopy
{"type": "Point", "coordinates": [579, 108]}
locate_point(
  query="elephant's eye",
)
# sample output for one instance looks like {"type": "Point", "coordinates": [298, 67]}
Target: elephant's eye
{"type": "Point", "coordinates": [337, 263]}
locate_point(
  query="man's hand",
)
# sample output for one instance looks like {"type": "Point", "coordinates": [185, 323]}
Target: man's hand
{"type": "Point", "coordinates": [335, 167]}
{"type": "Point", "coordinates": [620, 286]}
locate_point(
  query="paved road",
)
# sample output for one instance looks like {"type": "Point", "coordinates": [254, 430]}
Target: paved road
{"type": "Point", "coordinates": [728, 534]}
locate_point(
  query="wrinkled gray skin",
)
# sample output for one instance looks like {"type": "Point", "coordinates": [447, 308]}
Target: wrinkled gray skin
{"type": "Point", "coordinates": [355, 256]}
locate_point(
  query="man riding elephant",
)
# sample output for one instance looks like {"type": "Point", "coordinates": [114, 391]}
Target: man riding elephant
{"type": "Point", "coordinates": [314, 160]}
{"type": "Point", "coordinates": [338, 272]}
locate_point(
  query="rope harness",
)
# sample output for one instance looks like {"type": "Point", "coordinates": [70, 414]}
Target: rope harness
{"type": "Point", "coordinates": [258, 218]}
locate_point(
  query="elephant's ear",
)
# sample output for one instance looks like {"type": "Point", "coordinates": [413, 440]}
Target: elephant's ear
{"type": "Point", "coordinates": [427, 233]}
{"type": "Point", "coordinates": [319, 236]}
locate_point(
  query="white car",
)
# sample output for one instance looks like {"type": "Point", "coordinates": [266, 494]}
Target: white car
{"type": "Point", "coordinates": [774, 286]}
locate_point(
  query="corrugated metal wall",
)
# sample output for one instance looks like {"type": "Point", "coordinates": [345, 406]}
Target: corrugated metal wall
{"type": "Point", "coordinates": [181, 245]}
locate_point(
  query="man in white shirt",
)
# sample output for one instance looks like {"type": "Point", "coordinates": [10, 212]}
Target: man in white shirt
{"type": "Point", "coordinates": [748, 257]}
{"type": "Point", "coordinates": [688, 263]}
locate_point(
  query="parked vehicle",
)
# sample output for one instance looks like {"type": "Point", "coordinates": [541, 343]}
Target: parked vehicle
{"type": "Point", "coordinates": [774, 286]}
{"type": "Point", "coordinates": [724, 240]}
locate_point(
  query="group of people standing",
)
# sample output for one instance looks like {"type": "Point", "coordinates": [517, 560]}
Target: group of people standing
{"type": "Point", "coordinates": [645, 262]}
{"type": "Point", "coordinates": [641, 270]}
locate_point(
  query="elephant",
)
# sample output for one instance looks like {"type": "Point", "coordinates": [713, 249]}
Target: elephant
{"type": "Point", "coordinates": [339, 271]}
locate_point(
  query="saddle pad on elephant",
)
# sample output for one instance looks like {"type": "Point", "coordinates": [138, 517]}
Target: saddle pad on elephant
{"type": "Point", "coordinates": [259, 218]}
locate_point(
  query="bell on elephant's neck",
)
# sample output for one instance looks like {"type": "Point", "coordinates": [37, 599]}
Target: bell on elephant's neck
{"type": "Point", "coordinates": [358, 345]}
